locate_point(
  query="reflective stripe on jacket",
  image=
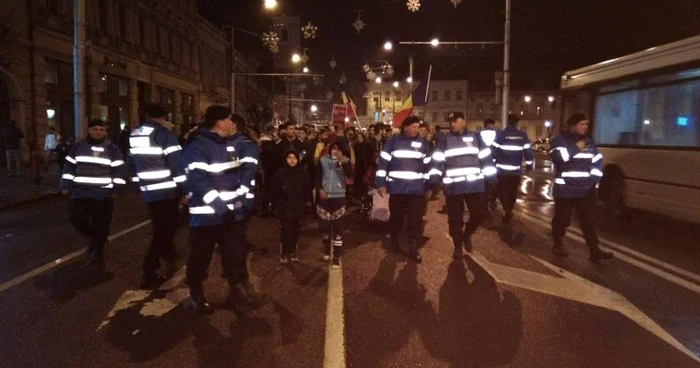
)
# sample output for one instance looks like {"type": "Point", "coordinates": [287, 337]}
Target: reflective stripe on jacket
{"type": "Point", "coordinates": [464, 163]}
{"type": "Point", "coordinates": [93, 171]}
{"type": "Point", "coordinates": [576, 171]}
{"type": "Point", "coordinates": [509, 149]}
{"type": "Point", "coordinates": [403, 165]}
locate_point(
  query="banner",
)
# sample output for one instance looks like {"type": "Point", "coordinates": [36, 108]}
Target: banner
{"type": "Point", "coordinates": [340, 112]}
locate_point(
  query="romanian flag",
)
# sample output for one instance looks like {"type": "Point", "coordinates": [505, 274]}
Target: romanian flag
{"type": "Point", "coordinates": [352, 109]}
{"type": "Point", "coordinates": [419, 97]}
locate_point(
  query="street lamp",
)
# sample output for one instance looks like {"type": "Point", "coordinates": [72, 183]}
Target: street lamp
{"type": "Point", "coordinates": [528, 99]}
{"type": "Point", "coordinates": [396, 84]}
{"type": "Point", "coordinates": [306, 70]}
{"type": "Point", "coordinates": [547, 123]}
{"type": "Point", "coordinates": [314, 108]}
{"type": "Point", "coordinates": [409, 80]}
{"type": "Point", "coordinates": [435, 42]}
{"type": "Point", "coordinates": [270, 4]}
{"type": "Point", "coordinates": [550, 99]}
{"type": "Point", "coordinates": [296, 58]}
{"type": "Point", "coordinates": [378, 80]}
{"type": "Point", "coordinates": [388, 46]}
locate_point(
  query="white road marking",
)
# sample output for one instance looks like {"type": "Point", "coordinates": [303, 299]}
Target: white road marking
{"type": "Point", "coordinates": [646, 267]}
{"type": "Point", "coordinates": [622, 248]}
{"type": "Point", "coordinates": [334, 351]}
{"type": "Point", "coordinates": [41, 269]}
{"type": "Point", "coordinates": [572, 287]}
{"type": "Point", "coordinates": [156, 307]}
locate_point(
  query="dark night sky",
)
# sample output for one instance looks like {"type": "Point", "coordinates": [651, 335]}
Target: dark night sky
{"type": "Point", "coordinates": [549, 36]}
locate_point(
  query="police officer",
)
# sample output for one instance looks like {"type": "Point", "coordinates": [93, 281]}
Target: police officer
{"type": "Point", "coordinates": [155, 157]}
{"type": "Point", "coordinates": [465, 164]}
{"type": "Point", "coordinates": [577, 165]}
{"type": "Point", "coordinates": [402, 172]}
{"type": "Point", "coordinates": [509, 148]}
{"type": "Point", "coordinates": [488, 135]}
{"type": "Point", "coordinates": [93, 175]}
{"type": "Point", "coordinates": [221, 165]}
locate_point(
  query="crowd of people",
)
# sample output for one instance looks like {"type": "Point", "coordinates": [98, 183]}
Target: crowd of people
{"type": "Point", "coordinates": [222, 171]}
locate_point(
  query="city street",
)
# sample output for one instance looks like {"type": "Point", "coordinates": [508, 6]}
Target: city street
{"type": "Point", "coordinates": [508, 304]}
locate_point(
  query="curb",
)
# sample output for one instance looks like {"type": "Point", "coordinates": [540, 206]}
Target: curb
{"type": "Point", "coordinates": [20, 203]}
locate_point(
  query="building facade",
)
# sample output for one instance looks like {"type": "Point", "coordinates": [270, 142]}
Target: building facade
{"type": "Point", "coordinates": [137, 52]}
{"type": "Point", "coordinates": [538, 111]}
{"type": "Point", "coordinates": [383, 101]}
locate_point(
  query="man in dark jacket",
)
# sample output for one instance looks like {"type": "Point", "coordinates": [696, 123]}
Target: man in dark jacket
{"type": "Point", "coordinates": [11, 138]}
{"type": "Point", "coordinates": [288, 140]}
{"type": "Point", "coordinates": [290, 188]}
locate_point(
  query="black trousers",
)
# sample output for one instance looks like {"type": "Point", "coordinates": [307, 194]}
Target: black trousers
{"type": "Point", "coordinates": [289, 236]}
{"type": "Point", "coordinates": [412, 207]}
{"type": "Point", "coordinates": [233, 256]}
{"type": "Point", "coordinates": [92, 218]}
{"type": "Point", "coordinates": [476, 203]}
{"type": "Point", "coordinates": [586, 213]}
{"type": "Point", "coordinates": [508, 191]}
{"type": "Point", "coordinates": [165, 219]}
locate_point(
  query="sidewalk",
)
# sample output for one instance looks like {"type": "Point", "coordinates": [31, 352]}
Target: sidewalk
{"type": "Point", "coordinates": [16, 191]}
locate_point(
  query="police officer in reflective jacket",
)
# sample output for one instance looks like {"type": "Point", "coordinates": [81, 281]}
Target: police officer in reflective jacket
{"type": "Point", "coordinates": [509, 148]}
{"type": "Point", "coordinates": [93, 174]}
{"type": "Point", "coordinates": [221, 164]}
{"type": "Point", "coordinates": [155, 158]}
{"type": "Point", "coordinates": [465, 164]}
{"type": "Point", "coordinates": [402, 172]}
{"type": "Point", "coordinates": [577, 164]}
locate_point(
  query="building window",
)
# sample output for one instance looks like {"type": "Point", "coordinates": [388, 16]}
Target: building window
{"type": "Point", "coordinates": [435, 95]}
{"type": "Point", "coordinates": [447, 95]}
{"type": "Point", "coordinates": [51, 72]}
{"type": "Point", "coordinates": [458, 97]}
{"type": "Point", "coordinates": [122, 22]}
{"type": "Point", "coordinates": [398, 98]}
{"type": "Point", "coordinates": [103, 84]}
{"type": "Point", "coordinates": [123, 87]}
{"type": "Point", "coordinates": [387, 96]}
{"type": "Point", "coordinates": [435, 117]}
{"type": "Point", "coordinates": [102, 7]}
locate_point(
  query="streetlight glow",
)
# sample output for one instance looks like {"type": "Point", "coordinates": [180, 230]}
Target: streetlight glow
{"type": "Point", "coordinates": [396, 84]}
{"type": "Point", "coordinates": [314, 108]}
{"type": "Point", "coordinates": [435, 42]}
{"type": "Point", "coordinates": [270, 4]}
{"type": "Point", "coordinates": [388, 46]}
{"type": "Point", "coordinates": [306, 70]}
{"type": "Point", "coordinates": [409, 80]}
{"type": "Point", "coordinates": [550, 98]}
{"type": "Point", "coordinates": [547, 123]}
{"type": "Point", "coordinates": [347, 119]}
{"type": "Point", "coordinates": [296, 58]}
{"type": "Point", "coordinates": [378, 80]}
{"type": "Point", "coordinates": [528, 98]}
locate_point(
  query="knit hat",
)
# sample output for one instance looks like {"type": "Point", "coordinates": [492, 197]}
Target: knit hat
{"type": "Point", "coordinates": [96, 122]}
{"type": "Point", "coordinates": [575, 119]}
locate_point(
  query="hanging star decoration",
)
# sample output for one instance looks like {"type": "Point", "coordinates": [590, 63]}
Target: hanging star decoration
{"type": "Point", "coordinates": [371, 75]}
{"type": "Point", "coordinates": [301, 87]}
{"type": "Point", "coordinates": [304, 58]}
{"type": "Point", "coordinates": [389, 70]}
{"type": "Point", "coordinates": [333, 63]}
{"type": "Point", "coordinates": [309, 30]}
{"type": "Point", "coordinates": [329, 95]}
{"type": "Point", "coordinates": [456, 2]}
{"type": "Point", "coordinates": [343, 78]}
{"type": "Point", "coordinates": [413, 5]}
{"type": "Point", "coordinates": [271, 40]}
{"type": "Point", "coordinates": [317, 80]}
{"type": "Point", "coordinates": [366, 68]}
{"type": "Point", "coordinates": [358, 24]}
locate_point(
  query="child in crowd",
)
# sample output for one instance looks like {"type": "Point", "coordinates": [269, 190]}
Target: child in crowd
{"type": "Point", "coordinates": [289, 191]}
{"type": "Point", "coordinates": [333, 169]}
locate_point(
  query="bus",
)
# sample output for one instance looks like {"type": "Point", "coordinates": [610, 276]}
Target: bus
{"type": "Point", "coordinates": [644, 111]}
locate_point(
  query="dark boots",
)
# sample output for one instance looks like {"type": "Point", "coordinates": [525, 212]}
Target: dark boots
{"type": "Point", "coordinates": [598, 254]}
{"type": "Point", "coordinates": [243, 298]}
{"type": "Point", "coordinates": [197, 302]}
{"type": "Point", "coordinates": [558, 249]}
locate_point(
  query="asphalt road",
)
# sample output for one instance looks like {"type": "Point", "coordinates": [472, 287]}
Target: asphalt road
{"type": "Point", "coordinates": [509, 304]}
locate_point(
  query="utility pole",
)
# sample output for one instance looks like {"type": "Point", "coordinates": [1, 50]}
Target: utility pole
{"type": "Point", "coordinates": [506, 68]}
{"type": "Point", "coordinates": [78, 67]}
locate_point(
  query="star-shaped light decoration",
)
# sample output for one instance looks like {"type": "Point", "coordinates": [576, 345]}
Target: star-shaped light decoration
{"type": "Point", "coordinates": [358, 24]}
{"type": "Point", "coordinates": [366, 68]}
{"type": "Point", "coordinates": [301, 87]}
{"type": "Point", "coordinates": [309, 30]}
{"type": "Point", "coordinates": [456, 2]}
{"type": "Point", "coordinates": [317, 80]}
{"type": "Point", "coordinates": [389, 70]}
{"type": "Point", "coordinates": [413, 5]}
{"type": "Point", "coordinates": [343, 78]}
{"type": "Point", "coordinates": [333, 63]}
{"type": "Point", "coordinates": [371, 75]}
{"type": "Point", "coordinates": [304, 58]}
{"type": "Point", "coordinates": [271, 40]}
{"type": "Point", "coordinates": [329, 96]}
